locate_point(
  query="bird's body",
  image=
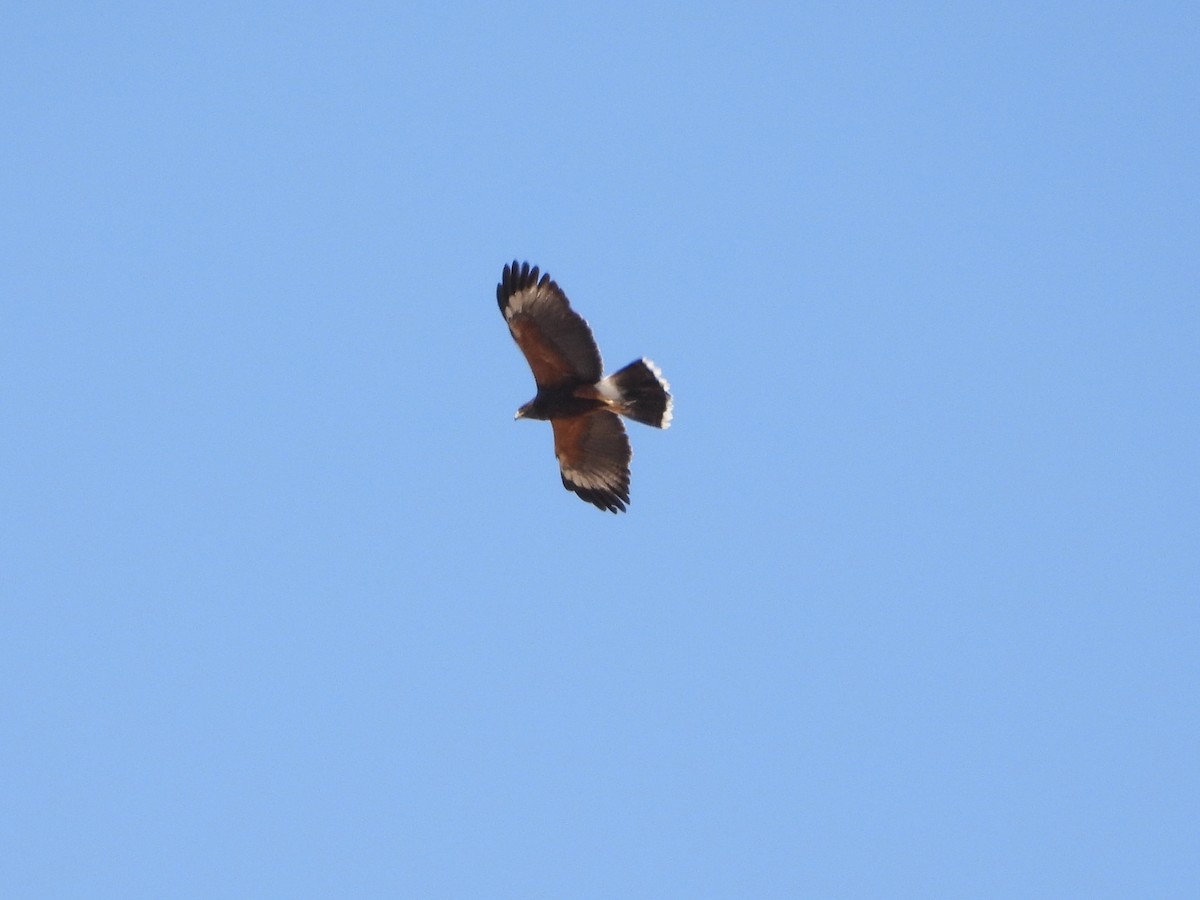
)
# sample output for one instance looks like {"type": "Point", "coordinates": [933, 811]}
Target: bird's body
{"type": "Point", "coordinates": [561, 402]}
{"type": "Point", "coordinates": [583, 408]}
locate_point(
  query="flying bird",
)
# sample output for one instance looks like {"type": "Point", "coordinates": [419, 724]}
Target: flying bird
{"type": "Point", "coordinates": [583, 408]}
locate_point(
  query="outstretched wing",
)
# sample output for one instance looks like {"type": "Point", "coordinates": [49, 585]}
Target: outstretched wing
{"type": "Point", "coordinates": [593, 453]}
{"type": "Point", "coordinates": [554, 338]}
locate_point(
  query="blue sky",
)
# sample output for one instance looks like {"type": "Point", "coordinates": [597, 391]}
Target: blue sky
{"type": "Point", "coordinates": [906, 602]}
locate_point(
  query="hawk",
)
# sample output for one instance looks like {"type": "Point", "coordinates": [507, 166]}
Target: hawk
{"type": "Point", "coordinates": [583, 408]}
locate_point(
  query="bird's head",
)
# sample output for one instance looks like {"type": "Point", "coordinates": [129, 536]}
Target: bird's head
{"type": "Point", "coordinates": [524, 410]}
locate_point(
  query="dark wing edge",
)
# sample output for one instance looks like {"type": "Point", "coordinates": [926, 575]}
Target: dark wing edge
{"type": "Point", "coordinates": [556, 341]}
{"type": "Point", "coordinates": [593, 455]}
{"type": "Point", "coordinates": [514, 279]}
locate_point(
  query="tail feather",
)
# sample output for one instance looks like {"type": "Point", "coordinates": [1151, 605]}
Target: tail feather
{"type": "Point", "coordinates": [641, 393]}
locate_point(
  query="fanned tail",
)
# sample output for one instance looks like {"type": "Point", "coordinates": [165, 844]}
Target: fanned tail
{"type": "Point", "coordinates": [640, 392]}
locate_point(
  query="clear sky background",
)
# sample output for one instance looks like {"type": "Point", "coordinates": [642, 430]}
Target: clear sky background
{"type": "Point", "coordinates": [907, 602]}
